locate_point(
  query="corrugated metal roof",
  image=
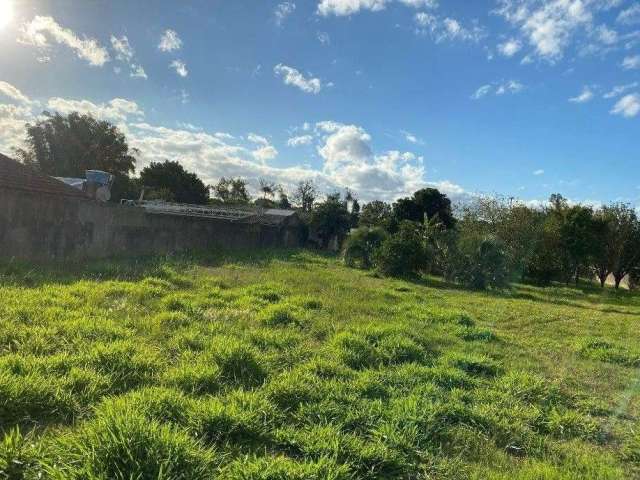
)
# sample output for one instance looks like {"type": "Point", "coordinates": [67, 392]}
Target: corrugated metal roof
{"type": "Point", "coordinates": [16, 176]}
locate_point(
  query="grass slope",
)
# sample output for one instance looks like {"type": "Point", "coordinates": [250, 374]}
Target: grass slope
{"type": "Point", "coordinates": [290, 366]}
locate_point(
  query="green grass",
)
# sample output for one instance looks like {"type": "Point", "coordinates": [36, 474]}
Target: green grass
{"type": "Point", "coordinates": [287, 365]}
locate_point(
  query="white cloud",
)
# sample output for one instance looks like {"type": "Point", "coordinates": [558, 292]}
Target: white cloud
{"type": "Point", "coordinates": [39, 31]}
{"type": "Point", "coordinates": [628, 106]}
{"type": "Point", "coordinates": [12, 126]}
{"type": "Point", "coordinates": [498, 88]}
{"type": "Point", "coordinates": [13, 93]}
{"type": "Point", "coordinates": [324, 38]}
{"type": "Point", "coordinates": [170, 41]}
{"type": "Point", "coordinates": [125, 53]}
{"type": "Point", "coordinates": [482, 91]}
{"type": "Point", "coordinates": [510, 47]}
{"type": "Point", "coordinates": [548, 25]}
{"type": "Point", "coordinates": [620, 89]}
{"type": "Point", "coordinates": [292, 76]}
{"type": "Point", "coordinates": [265, 153]}
{"type": "Point", "coordinates": [180, 67]}
{"type": "Point", "coordinates": [447, 29]}
{"type": "Point", "coordinates": [606, 35]}
{"type": "Point", "coordinates": [254, 138]}
{"type": "Point", "coordinates": [411, 138]}
{"type": "Point", "coordinates": [538, 172]}
{"type": "Point", "coordinates": [283, 10]}
{"type": "Point", "coordinates": [631, 62]}
{"type": "Point", "coordinates": [631, 15]}
{"type": "Point", "coordinates": [512, 86]}
{"type": "Point", "coordinates": [117, 110]}
{"type": "Point", "coordinates": [300, 140]}
{"type": "Point", "coordinates": [350, 7]}
{"type": "Point", "coordinates": [585, 96]}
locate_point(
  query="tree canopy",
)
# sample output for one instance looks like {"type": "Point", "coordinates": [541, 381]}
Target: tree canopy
{"type": "Point", "coordinates": [171, 177]}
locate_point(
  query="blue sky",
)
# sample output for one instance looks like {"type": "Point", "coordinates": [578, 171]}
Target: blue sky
{"type": "Point", "coordinates": [518, 97]}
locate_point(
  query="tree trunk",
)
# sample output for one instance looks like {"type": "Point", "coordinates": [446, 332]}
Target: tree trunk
{"type": "Point", "coordinates": [603, 280]}
{"type": "Point", "coordinates": [618, 280]}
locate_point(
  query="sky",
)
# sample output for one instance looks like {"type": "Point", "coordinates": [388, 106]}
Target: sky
{"type": "Point", "coordinates": [521, 98]}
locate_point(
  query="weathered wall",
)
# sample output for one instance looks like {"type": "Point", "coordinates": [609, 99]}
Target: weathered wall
{"type": "Point", "coordinates": [42, 227]}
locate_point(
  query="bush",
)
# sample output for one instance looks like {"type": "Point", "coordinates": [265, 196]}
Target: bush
{"type": "Point", "coordinates": [402, 253]}
{"type": "Point", "coordinates": [361, 246]}
{"type": "Point", "coordinates": [479, 263]}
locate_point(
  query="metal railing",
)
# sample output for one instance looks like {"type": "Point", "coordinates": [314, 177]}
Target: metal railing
{"type": "Point", "coordinates": [184, 209]}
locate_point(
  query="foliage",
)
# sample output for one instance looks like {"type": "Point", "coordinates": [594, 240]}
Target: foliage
{"type": "Point", "coordinates": [403, 252]}
{"type": "Point", "coordinates": [177, 184]}
{"type": "Point", "coordinates": [305, 195]}
{"type": "Point", "coordinates": [361, 246]}
{"type": "Point", "coordinates": [375, 214]}
{"type": "Point", "coordinates": [331, 219]}
{"type": "Point", "coordinates": [232, 191]}
{"type": "Point", "coordinates": [69, 145]}
{"type": "Point", "coordinates": [428, 204]}
{"type": "Point", "coordinates": [286, 365]}
{"type": "Point", "coordinates": [480, 262]}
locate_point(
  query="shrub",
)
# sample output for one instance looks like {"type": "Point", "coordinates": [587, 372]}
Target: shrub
{"type": "Point", "coordinates": [479, 263]}
{"type": "Point", "coordinates": [402, 253]}
{"type": "Point", "coordinates": [361, 246]}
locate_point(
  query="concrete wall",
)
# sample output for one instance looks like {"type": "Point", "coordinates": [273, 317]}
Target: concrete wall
{"type": "Point", "coordinates": [42, 227]}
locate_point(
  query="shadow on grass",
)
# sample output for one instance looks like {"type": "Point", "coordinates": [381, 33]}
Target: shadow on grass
{"type": "Point", "coordinates": [136, 268]}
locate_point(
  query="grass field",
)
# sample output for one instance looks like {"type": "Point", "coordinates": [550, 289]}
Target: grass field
{"type": "Point", "coordinates": [287, 365]}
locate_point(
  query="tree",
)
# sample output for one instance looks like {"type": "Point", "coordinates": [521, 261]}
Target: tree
{"type": "Point", "coordinates": [427, 203]}
{"type": "Point", "coordinates": [184, 186]}
{"type": "Point", "coordinates": [403, 252]}
{"type": "Point", "coordinates": [577, 240]}
{"type": "Point", "coordinates": [361, 246]}
{"type": "Point", "coordinates": [305, 195]}
{"type": "Point", "coordinates": [267, 188]}
{"type": "Point", "coordinates": [283, 201]}
{"type": "Point", "coordinates": [480, 263]}
{"type": "Point", "coordinates": [69, 145]}
{"type": "Point", "coordinates": [435, 205]}
{"type": "Point", "coordinates": [232, 191]}
{"type": "Point", "coordinates": [623, 248]}
{"type": "Point", "coordinates": [331, 219]}
{"type": "Point", "coordinates": [375, 214]}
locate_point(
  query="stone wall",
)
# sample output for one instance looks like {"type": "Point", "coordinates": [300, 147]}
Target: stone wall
{"type": "Point", "coordinates": [43, 227]}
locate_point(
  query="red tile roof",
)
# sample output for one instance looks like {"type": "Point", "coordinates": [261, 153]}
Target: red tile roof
{"type": "Point", "coordinates": [16, 176]}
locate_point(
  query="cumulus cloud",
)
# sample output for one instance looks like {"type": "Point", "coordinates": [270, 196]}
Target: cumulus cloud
{"type": "Point", "coordinates": [293, 77]}
{"type": "Point", "coordinates": [631, 62]}
{"type": "Point", "coordinates": [170, 41]}
{"type": "Point", "coordinates": [180, 67]}
{"type": "Point", "coordinates": [116, 110]}
{"type": "Point", "coordinates": [40, 31]}
{"type": "Point", "coordinates": [539, 172]}
{"type": "Point", "coordinates": [283, 10]}
{"type": "Point", "coordinates": [585, 96]}
{"type": "Point", "coordinates": [125, 53]}
{"type": "Point", "coordinates": [628, 106]}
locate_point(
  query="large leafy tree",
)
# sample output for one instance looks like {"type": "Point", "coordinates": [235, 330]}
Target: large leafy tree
{"type": "Point", "coordinates": [171, 177]}
{"type": "Point", "coordinates": [428, 203]}
{"type": "Point", "coordinates": [305, 195]}
{"type": "Point", "coordinates": [622, 251]}
{"type": "Point", "coordinates": [375, 214]}
{"type": "Point", "coordinates": [68, 145]}
{"type": "Point", "coordinates": [331, 218]}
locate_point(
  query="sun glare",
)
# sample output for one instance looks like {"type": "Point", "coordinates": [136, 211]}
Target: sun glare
{"type": "Point", "coordinates": [6, 12]}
